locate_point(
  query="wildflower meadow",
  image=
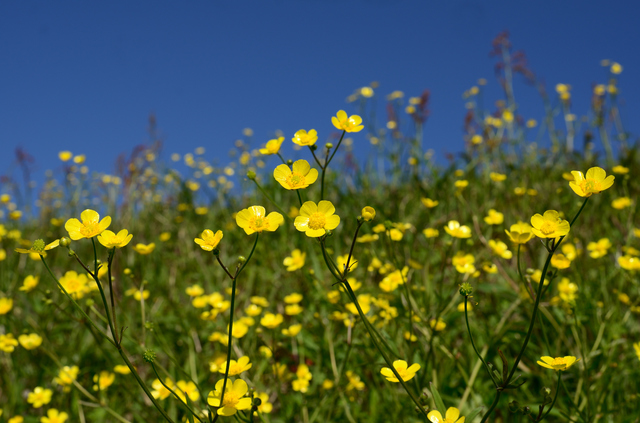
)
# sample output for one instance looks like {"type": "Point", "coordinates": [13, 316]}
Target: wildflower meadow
{"type": "Point", "coordinates": [353, 280]}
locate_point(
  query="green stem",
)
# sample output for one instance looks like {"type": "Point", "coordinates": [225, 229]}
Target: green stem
{"type": "Point", "coordinates": [286, 216]}
{"type": "Point", "coordinates": [174, 394]}
{"type": "Point", "coordinates": [326, 164]}
{"type": "Point", "coordinates": [554, 398]}
{"type": "Point", "coordinates": [473, 344]}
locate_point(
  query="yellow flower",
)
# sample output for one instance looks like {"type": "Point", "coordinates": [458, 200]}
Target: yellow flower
{"type": "Point", "coordinates": [272, 147]}
{"type": "Point", "coordinates": [494, 217]}
{"type": "Point", "coordinates": [265, 406]}
{"type": "Point", "coordinates": [368, 213]}
{"type": "Point", "coordinates": [189, 388]}
{"type": "Point", "coordinates": [209, 240]}
{"type": "Point", "coordinates": [31, 341]}
{"type": "Point", "coordinates": [302, 137]}
{"type": "Point", "coordinates": [295, 261]}
{"type": "Point", "coordinates": [429, 203]}
{"type": "Point", "coordinates": [65, 156]}
{"type": "Point", "coordinates": [560, 261]}
{"type": "Point", "coordinates": [294, 298]}
{"type": "Point", "coordinates": [6, 304]}
{"type": "Point", "coordinates": [91, 225]}
{"type": "Point", "coordinates": [354, 381]}
{"type": "Point", "coordinates": [461, 184]}
{"type": "Point", "coordinates": [430, 232]}
{"type": "Point", "coordinates": [75, 284]}
{"type": "Point", "coordinates": [254, 219]}
{"type": "Point", "coordinates": [39, 397]}
{"type": "Point", "coordinates": [347, 123]}
{"type": "Point", "coordinates": [621, 203]}
{"type": "Point", "coordinates": [236, 367]}
{"type": "Point", "coordinates": [29, 283]}
{"type": "Point", "coordinates": [111, 240]}
{"type": "Point", "coordinates": [629, 262]}
{"type": "Point", "coordinates": [594, 182]}
{"type": "Point", "coordinates": [451, 416]}
{"type": "Point", "coordinates": [159, 391]}
{"type": "Point", "coordinates": [54, 416]}
{"type": "Point", "coordinates": [144, 249]}
{"type": "Point", "coordinates": [619, 169]}
{"type": "Point", "coordinates": [301, 177]}
{"type": "Point", "coordinates": [8, 343]}
{"type": "Point", "coordinates": [567, 290]}
{"type": "Point", "coordinates": [103, 380]}
{"type": "Point", "coordinates": [438, 325]}
{"type": "Point", "coordinates": [558, 363]}
{"type": "Point", "coordinates": [314, 220]}
{"type": "Point", "coordinates": [122, 369]}
{"type": "Point", "coordinates": [499, 248]}
{"type": "Point", "coordinates": [406, 373]}
{"type": "Point", "coordinates": [616, 68]}
{"type": "Point", "coordinates": [520, 232]}
{"type": "Point", "coordinates": [551, 225]}
{"type": "Point", "coordinates": [292, 330]}
{"type": "Point", "coordinates": [497, 177]}
{"type": "Point", "coordinates": [271, 321]}
{"type": "Point", "coordinates": [599, 249]}
{"type": "Point", "coordinates": [636, 347]}
{"type": "Point", "coordinates": [16, 419]}
{"type": "Point", "coordinates": [233, 400]}
{"type": "Point", "coordinates": [66, 376]}
{"type": "Point", "coordinates": [456, 230]}
{"type": "Point", "coordinates": [39, 247]}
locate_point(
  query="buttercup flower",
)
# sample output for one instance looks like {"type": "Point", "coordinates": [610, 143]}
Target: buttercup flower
{"type": "Point", "coordinates": [233, 400]}
{"type": "Point", "coordinates": [451, 416]}
{"type": "Point", "coordinates": [551, 225]}
{"type": "Point", "coordinates": [520, 233]}
{"type": "Point", "coordinates": [295, 261]}
{"type": "Point", "coordinates": [91, 225]}
{"type": "Point", "coordinates": [558, 363]}
{"type": "Point", "coordinates": [159, 390]}
{"type": "Point", "coordinates": [39, 247]}
{"type": "Point", "coordinates": [456, 230]}
{"type": "Point", "coordinates": [29, 283]}
{"type": "Point", "coordinates": [301, 177]}
{"type": "Point", "coordinates": [31, 341]}
{"type": "Point", "coordinates": [272, 147]}
{"type": "Point", "coordinates": [271, 321]}
{"type": "Point", "coordinates": [368, 213]}
{"type": "Point", "coordinates": [208, 240]}
{"type": "Point", "coordinates": [236, 367]}
{"type": "Point", "coordinates": [254, 219]}
{"type": "Point", "coordinates": [429, 203]}
{"type": "Point", "coordinates": [406, 373]}
{"type": "Point", "coordinates": [347, 123]}
{"type": "Point", "coordinates": [144, 249]}
{"type": "Point", "coordinates": [594, 182]}
{"type": "Point", "coordinates": [6, 304]}
{"type": "Point", "coordinates": [494, 217]}
{"type": "Point", "coordinates": [66, 376]}
{"type": "Point", "coordinates": [314, 220]}
{"type": "Point", "coordinates": [111, 240]}
{"type": "Point", "coordinates": [303, 137]}
{"type": "Point", "coordinates": [189, 388]}
{"type": "Point", "coordinates": [54, 416]}
{"type": "Point", "coordinates": [103, 380]}
{"type": "Point", "coordinates": [39, 397]}
{"type": "Point", "coordinates": [8, 343]}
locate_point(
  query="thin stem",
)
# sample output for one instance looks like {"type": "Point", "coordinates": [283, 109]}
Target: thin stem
{"type": "Point", "coordinates": [473, 344]}
{"type": "Point", "coordinates": [174, 394]}
{"type": "Point", "coordinates": [112, 254]}
{"type": "Point", "coordinates": [326, 164]}
{"type": "Point", "coordinates": [286, 216]}
{"type": "Point", "coordinates": [554, 398]}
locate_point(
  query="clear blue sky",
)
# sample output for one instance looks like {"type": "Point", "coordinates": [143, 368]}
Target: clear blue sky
{"type": "Point", "coordinates": [84, 75]}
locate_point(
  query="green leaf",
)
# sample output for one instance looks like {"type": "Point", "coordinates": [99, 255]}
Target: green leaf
{"type": "Point", "coordinates": [437, 399]}
{"type": "Point", "coordinates": [469, 417]}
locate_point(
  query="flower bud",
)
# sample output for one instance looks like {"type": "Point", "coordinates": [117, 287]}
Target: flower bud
{"type": "Point", "coordinates": [368, 214]}
{"type": "Point", "coordinates": [65, 242]}
{"type": "Point", "coordinates": [251, 175]}
{"type": "Point", "coordinates": [328, 146]}
{"type": "Point", "coordinates": [149, 356]}
{"type": "Point", "coordinates": [466, 289]}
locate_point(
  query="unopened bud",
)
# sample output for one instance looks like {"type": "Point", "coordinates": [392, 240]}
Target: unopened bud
{"type": "Point", "coordinates": [149, 356]}
{"type": "Point", "coordinates": [251, 175]}
{"type": "Point", "coordinates": [328, 146]}
{"type": "Point", "coordinates": [65, 242]}
{"type": "Point", "coordinates": [466, 289]}
{"type": "Point", "coordinates": [368, 213]}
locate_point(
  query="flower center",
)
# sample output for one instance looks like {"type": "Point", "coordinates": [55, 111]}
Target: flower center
{"type": "Point", "coordinates": [38, 245]}
{"type": "Point", "coordinates": [259, 223]}
{"type": "Point", "coordinates": [547, 228]}
{"type": "Point", "coordinates": [231, 399]}
{"type": "Point", "coordinates": [317, 221]}
{"type": "Point", "coordinates": [590, 185]}
{"type": "Point", "coordinates": [89, 229]}
{"type": "Point", "coordinates": [295, 180]}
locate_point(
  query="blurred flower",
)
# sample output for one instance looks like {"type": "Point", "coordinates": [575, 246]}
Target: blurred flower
{"type": "Point", "coordinates": [103, 380]}
{"type": "Point", "coordinates": [54, 416]}
{"type": "Point", "coordinates": [6, 304]}
{"type": "Point", "coordinates": [621, 203]}
{"type": "Point", "coordinates": [428, 202]}
{"type": "Point", "coordinates": [31, 341]}
{"type": "Point", "coordinates": [520, 232]}
{"type": "Point", "coordinates": [8, 342]}
{"type": "Point", "coordinates": [144, 249]}
{"type": "Point", "coordinates": [494, 217]}
{"type": "Point", "coordinates": [39, 397]}
{"type": "Point", "coordinates": [272, 147]}
{"type": "Point", "coordinates": [29, 283]}
{"type": "Point", "coordinates": [111, 240]}
{"type": "Point", "coordinates": [295, 261]}
{"type": "Point", "coordinates": [456, 230]}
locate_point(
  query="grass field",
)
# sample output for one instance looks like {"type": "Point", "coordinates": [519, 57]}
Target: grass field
{"type": "Point", "coordinates": [431, 271]}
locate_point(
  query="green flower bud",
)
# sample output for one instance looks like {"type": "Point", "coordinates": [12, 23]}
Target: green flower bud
{"type": "Point", "coordinates": [251, 175]}
{"type": "Point", "coordinates": [466, 289]}
{"type": "Point", "coordinates": [328, 146]}
{"type": "Point", "coordinates": [65, 242]}
{"type": "Point", "coordinates": [149, 356]}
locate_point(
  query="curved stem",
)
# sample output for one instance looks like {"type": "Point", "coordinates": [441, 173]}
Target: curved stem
{"type": "Point", "coordinates": [173, 392]}
{"type": "Point", "coordinates": [554, 398]}
{"type": "Point", "coordinates": [473, 344]}
{"type": "Point", "coordinates": [326, 164]}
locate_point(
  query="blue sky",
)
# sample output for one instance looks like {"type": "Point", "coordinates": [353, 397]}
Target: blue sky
{"type": "Point", "coordinates": [85, 75]}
